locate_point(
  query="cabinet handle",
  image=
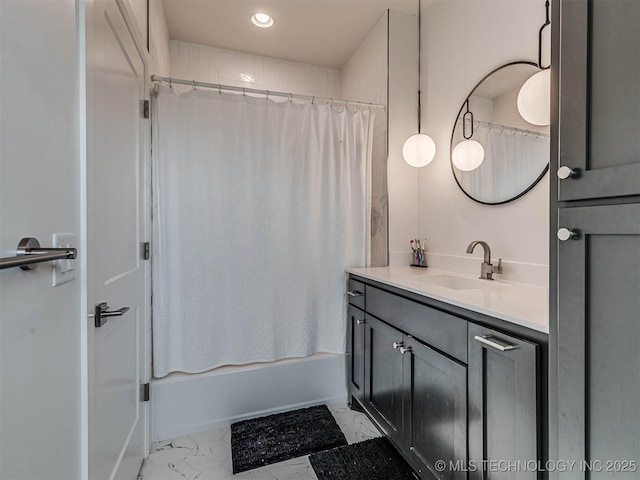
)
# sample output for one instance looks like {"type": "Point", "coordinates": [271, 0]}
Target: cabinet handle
{"type": "Point", "coordinates": [354, 293]}
{"type": "Point", "coordinates": [495, 343]}
{"type": "Point", "coordinates": [404, 350]}
{"type": "Point", "coordinates": [565, 234]}
{"type": "Point", "coordinates": [565, 172]}
{"type": "Point", "coordinates": [397, 345]}
{"type": "Point", "coordinates": [360, 322]}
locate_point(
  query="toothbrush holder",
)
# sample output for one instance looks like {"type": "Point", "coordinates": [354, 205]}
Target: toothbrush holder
{"type": "Point", "coordinates": [419, 260]}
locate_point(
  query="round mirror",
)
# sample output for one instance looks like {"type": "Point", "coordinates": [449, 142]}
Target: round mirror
{"type": "Point", "coordinates": [497, 156]}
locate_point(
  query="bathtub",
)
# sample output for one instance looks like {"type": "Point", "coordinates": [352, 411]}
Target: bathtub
{"type": "Point", "coordinates": [183, 404]}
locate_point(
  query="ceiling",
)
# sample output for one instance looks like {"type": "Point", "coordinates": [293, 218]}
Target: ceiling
{"type": "Point", "coordinates": [316, 32]}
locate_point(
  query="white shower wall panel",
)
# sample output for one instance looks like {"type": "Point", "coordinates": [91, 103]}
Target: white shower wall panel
{"type": "Point", "coordinates": [191, 61]}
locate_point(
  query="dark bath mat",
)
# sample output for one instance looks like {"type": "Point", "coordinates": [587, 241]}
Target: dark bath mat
{"type": "Point", "coordinates": [374, 459]}
{"type": "Point", "coordinates": [275, 438]}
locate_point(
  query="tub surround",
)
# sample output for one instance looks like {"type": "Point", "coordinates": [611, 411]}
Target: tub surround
{"type": "Point", "coordinates": [185, 404]}
{"type": "Point", "coordinates": [518, 303]}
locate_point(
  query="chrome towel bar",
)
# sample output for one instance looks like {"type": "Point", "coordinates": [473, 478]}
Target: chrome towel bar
{"type": "Point", "coordinates": [29, 254]}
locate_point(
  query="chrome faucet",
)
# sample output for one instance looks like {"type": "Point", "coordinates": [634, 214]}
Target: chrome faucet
{"type": "Point", "coordinates": [486, 269]}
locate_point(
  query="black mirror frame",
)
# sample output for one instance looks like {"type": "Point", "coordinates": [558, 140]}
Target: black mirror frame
{"type": "Point", "coordinates": [453, 172]}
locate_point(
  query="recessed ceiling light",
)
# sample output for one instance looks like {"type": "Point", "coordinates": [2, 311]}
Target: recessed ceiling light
{"type": "Point", "coordinates": [262, 20]}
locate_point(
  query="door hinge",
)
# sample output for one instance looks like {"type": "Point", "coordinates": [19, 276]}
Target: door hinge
{"type": "Point", "coordinates": [144, 392]}
{"type": "Point", "coordinates": [146, 109]}
{"type": "Point", "coordinates": [145, 250]}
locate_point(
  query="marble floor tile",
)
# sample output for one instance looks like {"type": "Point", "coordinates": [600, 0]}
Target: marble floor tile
{"type": "Point", "coordinates": [207, 456]}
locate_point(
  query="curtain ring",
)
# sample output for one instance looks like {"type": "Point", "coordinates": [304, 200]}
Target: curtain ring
{"type": "Point", "coordinates": [243, 92]}
{"type": "Point", "coordinates": [220, 89]}
{"type": "Point", "coordinates": [267, 94]}
{"type": "Point", "coordinates": [170, 83]}
{"type": "Point", "coordinates": [346, 104]}
{"type": "Point", "coordinates": [370, 106]}
{"type": "Point", "coordinates": [194, 85]}
{"type": "Point", "coordinates": [313, 100]}
{"type": "Point", "coordinates": [331, 104]}
{"type": "Point", "coordinates": [290, 96]}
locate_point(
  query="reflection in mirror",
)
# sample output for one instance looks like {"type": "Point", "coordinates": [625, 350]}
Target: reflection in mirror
{"type": "Point", "coordinates": [516, 153]}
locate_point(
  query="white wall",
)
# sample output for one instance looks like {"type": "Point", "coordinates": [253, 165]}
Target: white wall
{"type": "Point", "coordinates": [190, 61]}
{"type": "Point", "coordinates": [40, 420]}
{"type": "Point", "coordinates": [364, 75]}
{"type": "Point", "coordinates": [462, 42]}
{"type": "Point", "coordinates": [139, 9]}
{"type": "Point", "coordinates": [403, 122]}
{"type": "Point", "coordinates": [159, 63]}
{"type": "Point", "coordinates": [364, 78]}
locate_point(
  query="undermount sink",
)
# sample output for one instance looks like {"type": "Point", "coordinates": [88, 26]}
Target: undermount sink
{"type": "Point", "coordinates": [460, 283]}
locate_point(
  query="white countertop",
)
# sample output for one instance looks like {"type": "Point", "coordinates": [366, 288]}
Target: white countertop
{"type": "Point", "coordinates": [519, 303]}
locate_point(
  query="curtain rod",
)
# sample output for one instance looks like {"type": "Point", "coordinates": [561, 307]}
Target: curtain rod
{"type": "Point", "coordinates": [505, 128]}
{"type": "Point", "coordinates": [157, 79]}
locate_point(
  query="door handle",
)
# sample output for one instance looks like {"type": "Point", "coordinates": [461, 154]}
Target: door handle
{"type": "Point", "coordinates": [354, 293]}
{"type": "Point", "coordinates": [102, 312]}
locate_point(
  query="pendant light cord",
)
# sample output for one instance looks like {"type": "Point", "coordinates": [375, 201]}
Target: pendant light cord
{"type": "Point", "coordinates": [420, 65]}
{"type": "Point", "coordinates": [544, 25]}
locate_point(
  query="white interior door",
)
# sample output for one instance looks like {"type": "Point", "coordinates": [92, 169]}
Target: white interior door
{"type": "Point", "coordinates": [117, 225]}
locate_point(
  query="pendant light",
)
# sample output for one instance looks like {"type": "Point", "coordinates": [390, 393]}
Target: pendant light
{"type": "Point", "coordinates": [419, 149]}
{"type": "Point", "coordinates": [468, 154]}
{"type": "Point", "coordinates": [534, 99]}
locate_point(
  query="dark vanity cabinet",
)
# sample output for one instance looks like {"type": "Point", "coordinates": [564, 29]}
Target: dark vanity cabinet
{"type": "Point", "coordinates": [503, 401]}
{"type": "Point", "coordinates": [418, 396]}
{"type": "Point", "coordinates": [355, 342]}
{"type": "Point", "coordinates": [435, 409]}
{"type": "Point", "coordinates": [598, 334]}
{"type": "Point", "coordinates": [599, 98]}
{"type": "Point", "coordinates": [595, 304]}
{"type": "Point", "coordinates": [439, 393]}
{"type": "Point", "coordinates": [384, 377]}
{"type": "Point", "coordinates": [355, 352]}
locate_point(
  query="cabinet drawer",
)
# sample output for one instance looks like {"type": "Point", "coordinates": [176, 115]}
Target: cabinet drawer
{"type": "Point", "coordinates": [355, 293]}
{"type": "Point", "coordinates": [440, 330]}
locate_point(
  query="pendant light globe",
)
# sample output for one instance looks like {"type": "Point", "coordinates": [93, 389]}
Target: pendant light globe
{"type": "Point", "coordinates": [419, 150]}
{"type": "Point", "coordinates": [468, 155]}
{"type": "Point", "coordinates": [534, 99]}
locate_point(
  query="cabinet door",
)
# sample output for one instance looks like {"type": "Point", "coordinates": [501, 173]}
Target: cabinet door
{"type": "Point", "coordinates": [598, 340]}
{"type": "Point", "coordinates": [503, 404]}
{"type": "Point", "coordinates": [600, 98]}
{"type": "Point", "coordinates": [435, 409]}
{"type": "Point", "coordinates": [383, 383]}
{"type": "Point", "coordinates": [355, 352]}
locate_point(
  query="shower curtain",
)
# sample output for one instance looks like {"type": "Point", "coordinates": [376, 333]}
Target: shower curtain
{"type": "Point", "coordinates": [515, 157]}
{"type": "Point", "coordinates": [259, 206]}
